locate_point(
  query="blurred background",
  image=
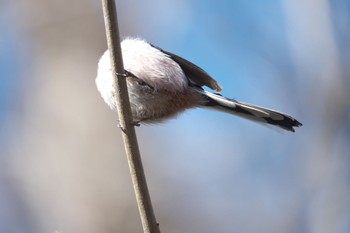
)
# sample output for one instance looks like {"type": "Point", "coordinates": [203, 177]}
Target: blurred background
{"type": "Point", "coordinates": [62, 161]}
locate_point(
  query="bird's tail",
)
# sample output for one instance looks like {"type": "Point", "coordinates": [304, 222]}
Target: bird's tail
{"type": "Point", "coordinates": [251, 112]}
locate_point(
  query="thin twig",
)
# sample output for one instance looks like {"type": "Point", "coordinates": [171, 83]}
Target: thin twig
{"type": "Point", "coordinates": [143, 199]}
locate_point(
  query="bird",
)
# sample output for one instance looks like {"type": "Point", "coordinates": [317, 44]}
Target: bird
{"type": "Point", "coordinates": [162, 85]}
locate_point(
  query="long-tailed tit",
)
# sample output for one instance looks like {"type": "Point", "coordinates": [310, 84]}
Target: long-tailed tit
{"type": "Point", "coordinates": [162, 85]}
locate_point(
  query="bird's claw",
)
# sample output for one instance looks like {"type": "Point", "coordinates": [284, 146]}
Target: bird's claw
{"type": "Point", "coordinates": [125, 74]}
{"type": "Point", "coordinates": [134, 123]}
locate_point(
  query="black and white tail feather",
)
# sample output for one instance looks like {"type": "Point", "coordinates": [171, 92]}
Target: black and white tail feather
{"type": "Point", "coordinates": [250, 112]}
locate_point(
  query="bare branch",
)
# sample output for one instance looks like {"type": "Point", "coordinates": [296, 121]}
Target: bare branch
{"type": "Point", "coordinates": [143, 199]}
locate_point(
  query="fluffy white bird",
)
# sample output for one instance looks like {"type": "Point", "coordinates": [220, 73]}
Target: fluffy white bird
{"type": "Point", "coordinates": [162, 85]}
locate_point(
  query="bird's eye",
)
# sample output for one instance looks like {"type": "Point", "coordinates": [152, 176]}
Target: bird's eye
{"type": "Point", "coordinates": [142, 83]}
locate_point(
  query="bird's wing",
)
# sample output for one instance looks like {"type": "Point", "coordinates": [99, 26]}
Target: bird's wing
{"type": "Point", "coordinates": [194, 73]}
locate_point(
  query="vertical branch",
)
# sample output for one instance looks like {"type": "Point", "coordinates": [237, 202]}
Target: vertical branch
{"type": "Point", "coordinates": [125, 119]}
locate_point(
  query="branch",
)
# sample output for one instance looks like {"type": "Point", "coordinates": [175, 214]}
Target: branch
{"type": "Point", "coordinates": [143, 199]}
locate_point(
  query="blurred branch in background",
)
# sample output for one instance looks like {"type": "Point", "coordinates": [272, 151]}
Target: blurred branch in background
{"type": "Point", "coordinates": [317, 55]}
